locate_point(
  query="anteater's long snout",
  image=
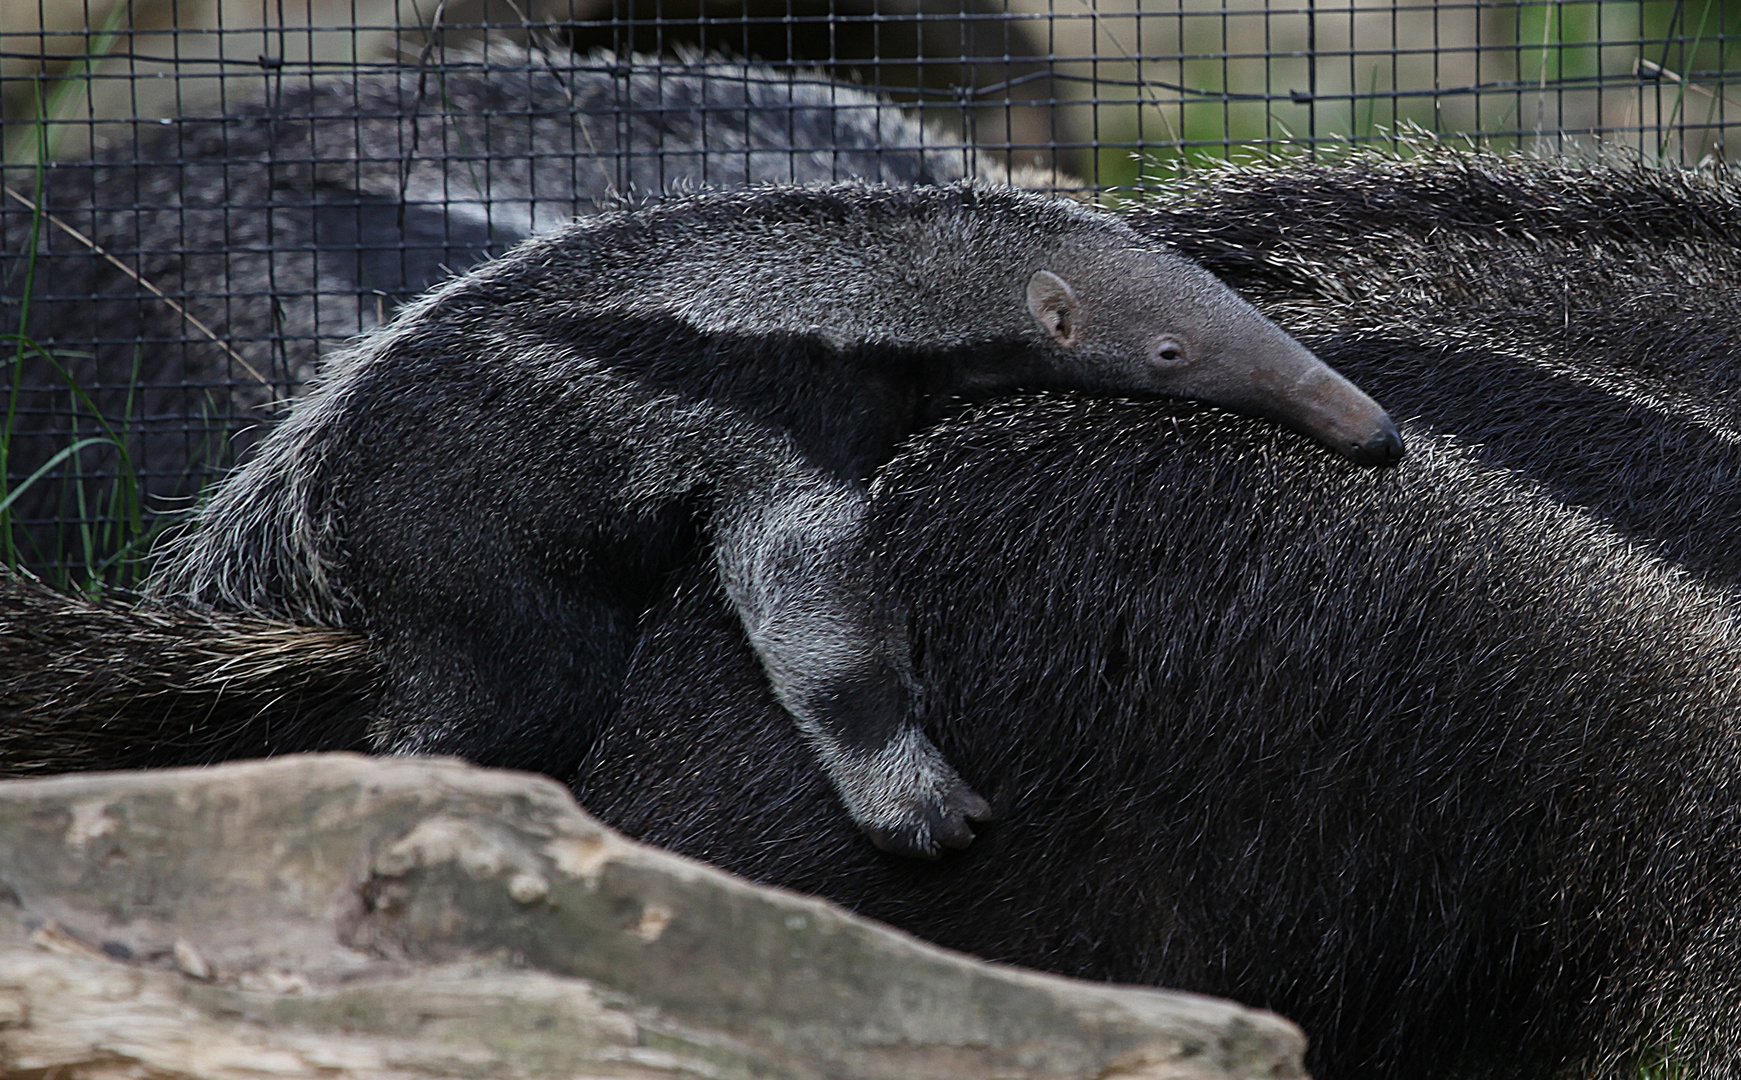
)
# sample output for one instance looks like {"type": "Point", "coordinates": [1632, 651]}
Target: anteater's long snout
{"type": "Point", "coordinates": [1282, 380]}
{"type": "Point", "coordinates": [1327, 407]}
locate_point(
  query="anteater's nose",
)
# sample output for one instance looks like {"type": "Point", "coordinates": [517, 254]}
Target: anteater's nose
{"type": "Point", "coordinates": [1383, 449]}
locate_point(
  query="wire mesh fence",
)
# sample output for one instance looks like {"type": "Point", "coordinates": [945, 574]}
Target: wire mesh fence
{"type": "Point", "coordinates": [203, 198]}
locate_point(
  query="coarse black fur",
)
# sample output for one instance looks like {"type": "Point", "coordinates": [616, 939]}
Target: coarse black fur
{"type": "Point", "coordinates": [285, 228]}
{"type": "Point", "coordinates": [493, 486]}
{"type": "Point", "coordinates": [131, 685]}
{"type": "Point", "coordinates": [1404, 758]}
{"type": "Point", "coordinates": [1431, 763]}
{"type": "Point", "coordinates": [1578, 322]}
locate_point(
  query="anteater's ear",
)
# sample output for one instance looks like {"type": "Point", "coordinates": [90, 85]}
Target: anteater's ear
{"type": "Point", "coordinates": [1053, 303]}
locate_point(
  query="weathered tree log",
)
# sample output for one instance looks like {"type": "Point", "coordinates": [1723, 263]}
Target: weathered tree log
{"type": "Point", "coordinates": [340, 916]}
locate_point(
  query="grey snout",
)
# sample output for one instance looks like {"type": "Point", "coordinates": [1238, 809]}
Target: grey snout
{"type": "Point", "coordinates": [1257, 369]}
{"type": "Point", "coordinates": [1290, 385]}
{"type": "Point", "coordinates": [1335, 412]}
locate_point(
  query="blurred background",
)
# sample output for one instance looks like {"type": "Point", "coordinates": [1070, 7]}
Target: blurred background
{"type": "Point", "coordinates": [1087, 84]}
{"type": "Point", "coordinates": [203, 197]}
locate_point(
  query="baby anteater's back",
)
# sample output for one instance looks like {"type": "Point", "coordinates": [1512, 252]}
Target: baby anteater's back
{"type": "Point", "coordinates": [493, 485]}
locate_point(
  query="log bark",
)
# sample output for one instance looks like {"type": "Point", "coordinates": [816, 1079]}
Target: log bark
{"type": "Point", "coordinates": [341, 916]}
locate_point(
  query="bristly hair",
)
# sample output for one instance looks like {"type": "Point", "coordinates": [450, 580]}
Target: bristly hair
{"type": "Point", "coordinates": [1575, 320]}
{"type": "Point", "coordinates": [115, 686]}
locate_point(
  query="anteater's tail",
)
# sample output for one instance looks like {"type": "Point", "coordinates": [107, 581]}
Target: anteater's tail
{"type": "Point", "coordinates": [97, 686]}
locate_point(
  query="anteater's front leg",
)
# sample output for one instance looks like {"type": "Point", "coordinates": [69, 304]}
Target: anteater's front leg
{"type": "Point", "coordinates": [796, 561]}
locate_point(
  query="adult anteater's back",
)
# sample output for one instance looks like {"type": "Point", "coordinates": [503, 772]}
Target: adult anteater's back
{"type": "Point", "coordinates": [1427, 761]}
{"type": "Point", "coordinates": [1578, 322]}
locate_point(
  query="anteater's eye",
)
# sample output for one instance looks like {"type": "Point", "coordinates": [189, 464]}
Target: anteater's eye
{"type": "Point", "coordinates": [1167, 350]}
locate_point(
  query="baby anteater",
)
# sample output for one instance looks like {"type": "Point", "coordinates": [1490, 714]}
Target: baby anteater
{"type": "Point", "coordinates": [493, 485]}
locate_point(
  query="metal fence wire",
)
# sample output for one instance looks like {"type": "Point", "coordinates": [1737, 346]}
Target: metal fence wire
{"type": "Point", "coordinates": [202, 197]}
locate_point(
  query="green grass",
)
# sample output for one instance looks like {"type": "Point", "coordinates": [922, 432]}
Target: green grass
{"type": "Point", "coordinates": [107, 531]}
{"type": "Point", "coordinates": [106, 540]}
{"type": "Point", "coordinates": [1662, 64]}
{"type": "Point", "coordinates": [37, 142]}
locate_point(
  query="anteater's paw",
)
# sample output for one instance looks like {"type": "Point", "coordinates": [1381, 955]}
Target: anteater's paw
{"type": "Point", "coordinates": [908, 800]}
{"type": "Point", "coordinates": [929, 825]}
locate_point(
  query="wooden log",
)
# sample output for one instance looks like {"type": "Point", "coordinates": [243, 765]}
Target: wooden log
{"type": "Point", "coordinates": [341, 916]}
